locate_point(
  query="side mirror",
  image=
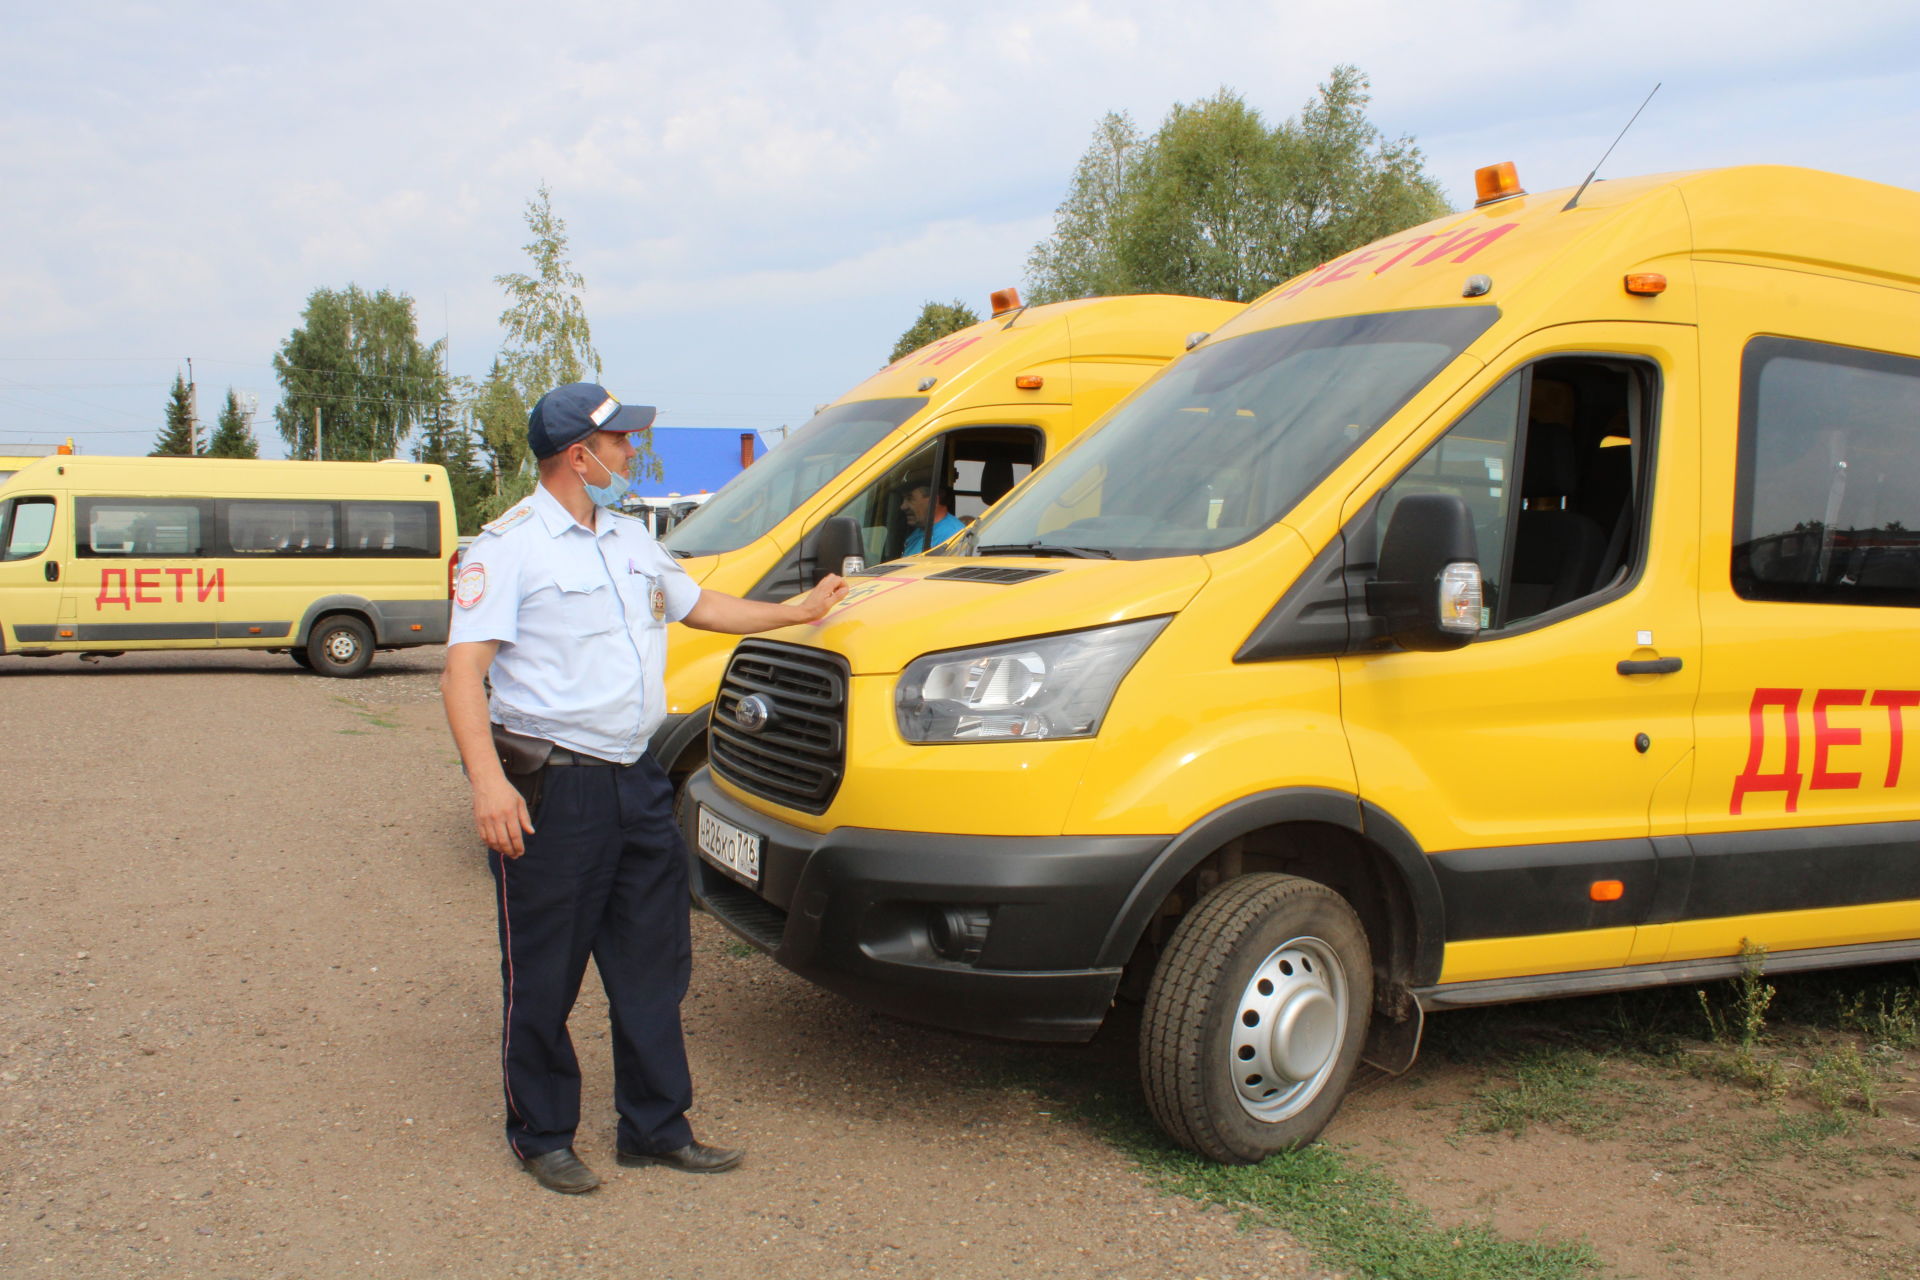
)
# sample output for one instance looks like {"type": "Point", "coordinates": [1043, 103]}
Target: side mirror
{"type": "Point", "coordinates": [1428, 588]}
{"type": "Point", "coordinates": [836, 541]}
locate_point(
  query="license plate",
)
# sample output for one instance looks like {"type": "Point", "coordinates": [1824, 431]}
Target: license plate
{"type": "Point", "coordinates": [734, 848]}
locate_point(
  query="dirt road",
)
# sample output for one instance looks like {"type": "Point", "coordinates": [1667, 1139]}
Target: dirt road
{"type": "Point", "coordinates": [248, 1027]}
{"type": "Point", "coordinates": [249, 1019]}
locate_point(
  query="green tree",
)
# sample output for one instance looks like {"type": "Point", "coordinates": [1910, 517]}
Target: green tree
{"type": "Point", "coordinates": [499, 414]}
{"type": "Point", "coordinates": [176, 437]}
{"type": "Point", "coordinates": [447, 438]}
{"type": "Point", "coordinates": [1204, 215]}
{"type": "Point", "coordinates": [1219, 204]}
{"type": "Point", "coordinates": [233, 436]}
{"type": "Point", "coordinates": [1347, 183]}
{"type": "Point", "coordinates": [549, 342]}
{"type": "Point", "coordinates": [937, 320]}
{"type": "Point", "coordinates": [356, 360]}
{"type": "Point", "coordinates": [1081, 258]}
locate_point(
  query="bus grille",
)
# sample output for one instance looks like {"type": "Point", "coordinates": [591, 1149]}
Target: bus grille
{"type": "Point", "coordinates": [797, 758]}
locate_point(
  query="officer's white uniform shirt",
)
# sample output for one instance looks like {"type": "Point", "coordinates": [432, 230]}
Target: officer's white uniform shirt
{"type": "Point", "coordinates": [581, 616]}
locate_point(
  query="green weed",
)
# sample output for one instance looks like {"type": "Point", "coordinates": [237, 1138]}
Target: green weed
{"type": "Point", "coordinates": [1887, 1015]}
{"type": "Point", "coordinates": [1839, 1078]}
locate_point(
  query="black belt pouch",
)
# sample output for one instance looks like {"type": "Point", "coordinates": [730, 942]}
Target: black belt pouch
{"type": "Point", "coordinates": [524, 759]}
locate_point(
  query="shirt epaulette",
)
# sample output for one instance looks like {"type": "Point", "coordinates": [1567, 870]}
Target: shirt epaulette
{"type": "Point", "coordinates": [513, 517]}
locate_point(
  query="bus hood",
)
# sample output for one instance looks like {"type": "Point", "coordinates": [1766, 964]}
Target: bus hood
{"type": "Point", "coordinates": [915, 607]}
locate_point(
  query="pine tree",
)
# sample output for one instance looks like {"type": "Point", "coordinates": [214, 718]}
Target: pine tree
{"type": "Point", "coordinates": [233, 437]}
{"type": "Point", "coordinates": [446, 439]}
{"type": "Point", "coordinates": [176, 437]}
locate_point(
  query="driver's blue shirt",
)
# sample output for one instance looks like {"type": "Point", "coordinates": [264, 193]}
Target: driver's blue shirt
{"type": "Point", "coordinates": [943, 528]}
{"type": "Point", "coordinates": [581, 616]}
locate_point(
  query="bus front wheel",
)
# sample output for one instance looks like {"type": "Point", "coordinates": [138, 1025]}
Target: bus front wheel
{"type": "Point", "coordinates": [1256, 1017]}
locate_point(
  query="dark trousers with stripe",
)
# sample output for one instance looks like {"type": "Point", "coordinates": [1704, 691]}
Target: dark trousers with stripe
{"type": "Point", "coordinates": [604, 875]}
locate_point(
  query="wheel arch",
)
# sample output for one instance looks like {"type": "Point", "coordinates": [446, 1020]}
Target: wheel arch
{"type": "Point", "coordinates": [326, 606]}
{"type": "Point", "coordinates": [1317, 834]}
{"type": "Point", "coordinates": [681, 734]}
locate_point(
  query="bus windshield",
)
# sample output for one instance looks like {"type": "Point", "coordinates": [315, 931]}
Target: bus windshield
{"type": "Point", "coordinates": [768, 491]}
{"type": "Point", "coordinates": [1228, 439]}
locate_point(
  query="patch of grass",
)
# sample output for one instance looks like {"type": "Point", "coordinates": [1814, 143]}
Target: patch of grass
{"type": "Point", "coordinates": [1801, 1133]}
{"type": "Point", "coordinates": [1561, 1087]}
{"type": "Point", "coordinates": [368, 714]}
{"type": "Point", "coordinates": [1349, 1213]}
{"type": "Point", "coordinates": [741, 950]}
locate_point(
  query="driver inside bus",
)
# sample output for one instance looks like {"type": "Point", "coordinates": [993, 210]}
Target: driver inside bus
{"type": "Point", "coordinates": [927, 512]}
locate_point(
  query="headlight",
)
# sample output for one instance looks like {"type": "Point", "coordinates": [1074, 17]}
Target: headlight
{"type": "Point", "coordinates": [1053, 687]}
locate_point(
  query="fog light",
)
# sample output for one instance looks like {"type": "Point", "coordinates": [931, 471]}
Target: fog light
{"type": "Point", "coordinates": [958, 933]}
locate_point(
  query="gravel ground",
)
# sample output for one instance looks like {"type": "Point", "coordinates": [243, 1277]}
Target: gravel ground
{"type": "Point", "coordinates": [248, 1028]}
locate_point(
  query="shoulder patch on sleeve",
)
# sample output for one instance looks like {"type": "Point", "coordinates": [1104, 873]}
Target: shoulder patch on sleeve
{"type": "Point", "coordinates": [509, 520]}
{"type": "Point", "coordinates": [471, 587]}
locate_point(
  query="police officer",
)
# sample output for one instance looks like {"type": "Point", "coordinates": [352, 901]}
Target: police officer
{"type": "Point", "coordinates": [565, 605]}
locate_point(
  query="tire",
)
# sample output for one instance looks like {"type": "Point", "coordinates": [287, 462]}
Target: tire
{"type": "Point", "coordinates": [1256, 1017]}
{"type": "Point", "coordinates": [300, 657]}
{"type": "Point", "coordinates": [339, 645]}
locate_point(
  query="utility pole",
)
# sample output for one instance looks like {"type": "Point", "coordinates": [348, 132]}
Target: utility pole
{"type": "Point", "coordinates": [317, 455]}
{"type": "Point", "coordinates": [193, 412]}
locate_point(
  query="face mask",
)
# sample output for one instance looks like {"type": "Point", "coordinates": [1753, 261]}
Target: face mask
{"type": "Point", "coordinates": [605, 495]}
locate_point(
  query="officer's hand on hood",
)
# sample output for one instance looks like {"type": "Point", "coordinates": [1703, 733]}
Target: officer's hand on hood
{"type": "Point", "coordinates": [829, 592]}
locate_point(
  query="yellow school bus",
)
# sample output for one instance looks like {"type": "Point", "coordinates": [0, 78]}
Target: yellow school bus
{"type": "Point", "coordinates": [1521, 606]}
{"type": "Point", "coordinates": [324, 561]}
{"type": "Point", "coordinates": [981, 407]}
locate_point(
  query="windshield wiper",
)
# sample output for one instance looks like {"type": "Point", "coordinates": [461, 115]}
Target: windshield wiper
{"type": "Point", "coordinates": [1047, 549]}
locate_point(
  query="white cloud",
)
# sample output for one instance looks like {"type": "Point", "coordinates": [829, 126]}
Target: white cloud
{"type": "Point", "coordinates": [184, 176]}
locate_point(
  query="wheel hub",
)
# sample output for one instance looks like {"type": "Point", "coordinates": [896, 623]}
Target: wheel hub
{"type": "Point", "coordinates": [1288, 1029]}
{"type": "Point", "coordinates": [341, 647]}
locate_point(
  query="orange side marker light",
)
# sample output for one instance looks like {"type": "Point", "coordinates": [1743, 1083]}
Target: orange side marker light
{"type": "Point", "coordinates": [1029, 382]}
{"type": "Point", "coordinates": [1607, 891]}
{"type": "Point", "coordinates": [1646, 283]}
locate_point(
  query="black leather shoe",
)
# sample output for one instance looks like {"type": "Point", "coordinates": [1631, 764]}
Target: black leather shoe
{"type": "Point", "coordinates": [561, 1171]}
{"type": "Point", "coordinates": [695, 1157]}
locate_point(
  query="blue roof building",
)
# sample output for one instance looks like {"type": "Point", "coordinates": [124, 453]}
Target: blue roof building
{"type": "Point", "coordinates": [696, 459]}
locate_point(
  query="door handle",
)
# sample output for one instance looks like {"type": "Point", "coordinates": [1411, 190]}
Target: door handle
{"type": "Point", "coordinates": [53, 571]}
{"type": "Point", "coordinates": [1647, 667]}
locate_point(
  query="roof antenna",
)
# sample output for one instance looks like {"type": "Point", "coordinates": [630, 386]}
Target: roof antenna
{"type": "Point", "coordinates": [1603, 159]}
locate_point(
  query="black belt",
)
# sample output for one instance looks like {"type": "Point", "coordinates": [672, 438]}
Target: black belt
{"type": "Point", "coordinates": [562, 756]}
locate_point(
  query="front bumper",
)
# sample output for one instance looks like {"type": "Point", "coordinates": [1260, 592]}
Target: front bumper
{"type": "Point", "coordinates": [855, 910]}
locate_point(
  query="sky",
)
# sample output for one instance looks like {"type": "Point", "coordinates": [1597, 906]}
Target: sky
{"type": "Point", "coordinates": [760, 196]}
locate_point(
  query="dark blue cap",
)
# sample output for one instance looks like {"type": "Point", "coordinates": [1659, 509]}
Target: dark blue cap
{"type": "Point", "coordinates": [567, 415]}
